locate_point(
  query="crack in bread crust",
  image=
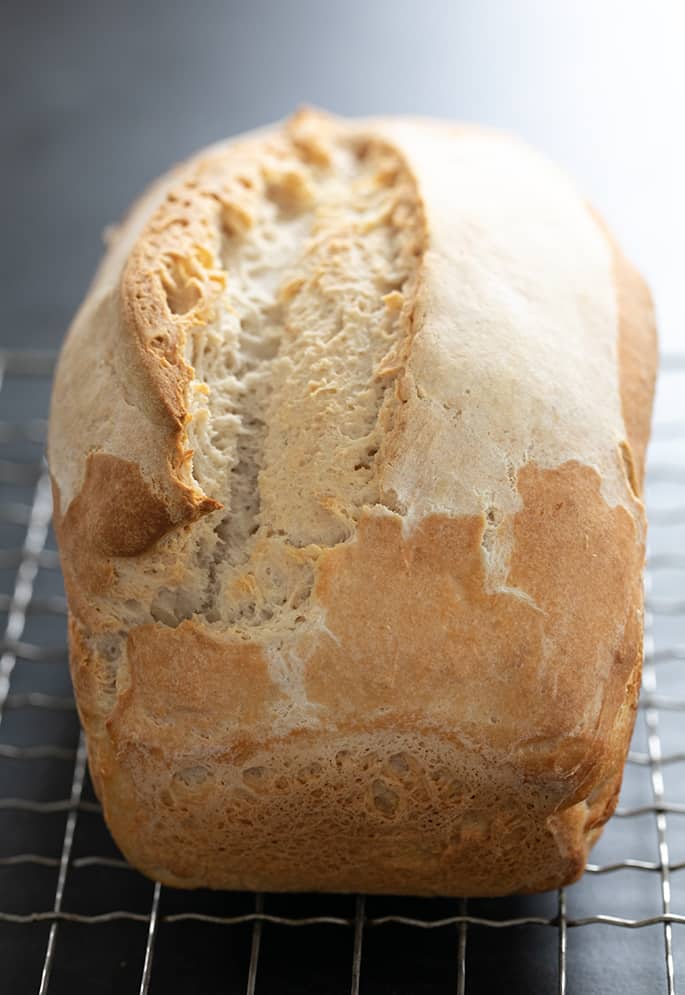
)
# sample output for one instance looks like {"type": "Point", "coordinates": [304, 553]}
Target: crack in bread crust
{"type": "Point", "coordinates": [347, 464]}
{"type": "Point", "coordinates": [323, 264]}
{"type": "Point", "coordinates": [280, 282]}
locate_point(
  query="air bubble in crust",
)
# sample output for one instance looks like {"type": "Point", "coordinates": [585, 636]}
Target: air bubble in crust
{"type": "Point", "coordinates": [385, 800]}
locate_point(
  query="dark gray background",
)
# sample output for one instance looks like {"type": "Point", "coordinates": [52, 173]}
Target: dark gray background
{"type": "Point", "coordinates": [99, 97]}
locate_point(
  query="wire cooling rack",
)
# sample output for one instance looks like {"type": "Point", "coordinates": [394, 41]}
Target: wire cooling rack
{"type": "Point", "coordinates": [75, 918]}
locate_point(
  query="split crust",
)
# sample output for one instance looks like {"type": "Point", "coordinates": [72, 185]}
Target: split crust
{"type": "Point", "coordinates": [347, 446]}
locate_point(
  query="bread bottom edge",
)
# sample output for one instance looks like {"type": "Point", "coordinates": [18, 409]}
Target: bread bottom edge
{"type": "Point", "coordinates": [379, 815]}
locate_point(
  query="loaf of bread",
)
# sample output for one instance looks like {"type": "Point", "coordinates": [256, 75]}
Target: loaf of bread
{"type": "Point", "coordinates": [347, 443]}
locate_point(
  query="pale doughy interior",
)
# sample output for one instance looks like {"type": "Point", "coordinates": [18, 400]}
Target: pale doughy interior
{"type": "Point", "coordinates": [290, 378]}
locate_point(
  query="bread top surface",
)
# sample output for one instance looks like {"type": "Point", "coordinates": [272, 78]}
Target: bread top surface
{"type": "Point", "coordinates": [354, 414]}
{"type": "Point", "coordinates": [511, 291]}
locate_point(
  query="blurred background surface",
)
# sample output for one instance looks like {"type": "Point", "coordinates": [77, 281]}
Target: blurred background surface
{"type": "Point", "coordinates": [100, 97]}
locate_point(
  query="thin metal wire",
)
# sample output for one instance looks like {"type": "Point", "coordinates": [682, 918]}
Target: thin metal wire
{"type": "Point", "coordinates": [461, 950]}
{"type": "Point", "coordinates": [670, 654]}
{"type": "Point", "coordinates": [67, 844]}
{"type": "Point", "coordinates": [255, 946]}
{"type": "Point", "coordinates": [118, 915]}
{"type": "Point", "coordinates": [632, 865]}
{"type": "Point", "coordinates": [15, 513]}
{"type": "Point", "coordinates": [19, 859]}
{"type": "Point", "coordinates": [45, 808]}
{"type": "Point", "coordinates": [38, 521]}
{"type": "Point", "coordinates": [665, 561]}
{"type": "Point", "coordinates": [56, 605]}
{"type": "Point", "coordinates": [562, 948]}
{"type": "Point", "coordinates": [28, 362]}
{"type": "Point", "coordinates": [666, 473]}
{"type": "Point", "coordinates": [529, 921]}
{"type": "Point", "coordinates": [78, 862]}
{"type": "Point", "coordinates": [672, 362]}
{"type": "Point", "coordinates": [34, 652]}
{"type": "Point", "coordinates": [96, 861]}
{"type": "Point", "coordinates": [657, 783]}
{"type": "Point", "coordinates": [398, 920]}
{"type": "Point", "coordinates": [669, 430]}
{"type": "Point", "coordinates": [248, 917]}
{"type": "Point", "coordinates": [666, 606]}
{"type": "Point", "coordinates": [153, 920]}
{"type": "Point", "coordinates": [359, 922]}
{"type": "Point", "coordinates": [48, 559]}
{"type": "Point", "coordinates": [33, 431]}
{"type": "Point", "coordinates": [667, 515]}
{"type": "Point", "coordinates": [672, 808]}
{"type": "Point", "coordinates": [662, 702]}
{"type": "Point", "coordinates": [47, 752]}
{"type": "Point", "coordinates": [645, 760]}
{"type": "Point", "coordinates": [15, 472]}
{"type": "Point", "coordinates": [36, 699]}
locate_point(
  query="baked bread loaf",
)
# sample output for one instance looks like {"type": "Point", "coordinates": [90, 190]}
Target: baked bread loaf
{"type": "Point", "coordinates": [347, 443]}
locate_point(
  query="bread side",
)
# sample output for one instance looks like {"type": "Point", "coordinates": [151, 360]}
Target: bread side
{"type": "Point", "coordinates": [357, 605]}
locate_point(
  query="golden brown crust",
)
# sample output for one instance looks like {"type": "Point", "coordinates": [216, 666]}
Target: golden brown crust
{"type": "Point", "coordinates": [168, 284]}
{"type": "Point", "coordinates": [394, 789]}
{"type": "Point", "coordinates": [443, 702]}
{"type": "Point", "coordinates": [486, 652]}
{"type": "Point", "coordinates": [234, 686]}
{"type": "Point", "coordinates": [116, 514]}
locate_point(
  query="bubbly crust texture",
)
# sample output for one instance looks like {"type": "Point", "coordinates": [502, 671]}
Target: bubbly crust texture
{"type": "Point", "coordinates": [347, 445]}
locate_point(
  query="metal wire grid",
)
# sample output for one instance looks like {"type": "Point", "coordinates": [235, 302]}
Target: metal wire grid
{"type": "Point", "coordinates": [34, 555]}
